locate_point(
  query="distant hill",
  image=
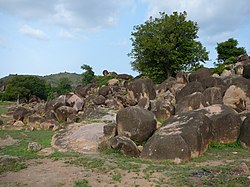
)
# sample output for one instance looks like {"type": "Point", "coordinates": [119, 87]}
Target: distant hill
{"type": "Point", "coordinates": [74, 78]}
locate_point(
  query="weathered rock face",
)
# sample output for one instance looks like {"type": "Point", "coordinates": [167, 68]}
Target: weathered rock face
{"type": "Point", "coordinates": [104, 91]}
{"type": "Point", "coordinates": [190, 88]}
{"type": "Point", "coordinates": [246, 71]}
{"type": "Point", "coordinates": [200, 74]}
{"type": "Point", "coordinates": [225, 123]}
{"type": "Point", "coordinates": [83, 90]}
{"type": "Point", "coordinates": [212, 82]}
{"type": "Point", "coordinates": [162, 109]}
{"type": "Point", "coordinates": [55, 103]}
{"type": "Point", "coordinates": [244, 133]}
{"type": "Point", "coordinates": [125, 146]}
{"type": "Point", "coordinates": [20, 113]}
{"type": "Point", "coordinates": [63, 112]}
{"type": "Point", "coordinates": [124, 76]}
{"type": "Point", "coordinates": [141, 88]}
{"type": "Point", "coordinates": [136, 123]}
{"type": "Point", "coordinates": [110, 130]}
{"type": "Point", "coordinates": [191, 102]}
{"type": "Point", "coordinates": [237, 96]}
{"type": "Point", "coordinates": [76, 102]}
{"type": "Point", "coordinates": [181, 78]}
{"type": "Point", "coordinates": [180, 138]}
{"type": "Point", "coordinates": [99, 100]}
{"type": "Point", "coordinates": [213, 95]}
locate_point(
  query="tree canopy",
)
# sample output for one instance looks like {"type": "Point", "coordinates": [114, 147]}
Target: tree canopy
{"type": "Point", "coordinates": [24, 86]}
{"type": "Point", "coordinates": [163, 46]}
{"type": "Point", "coordinates": [228, 51]}
{"type": "Point", "coordinates": [88, 75]}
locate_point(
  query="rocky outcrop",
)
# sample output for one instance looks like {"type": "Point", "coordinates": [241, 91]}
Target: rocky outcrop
{"type": "Point", "coordinates": [201, 74]}
{"type": "Point", "coordinates": [244, 133]}
{"type": "Point", "coordinates": [180, 138]}
{"type": "Point", "coordinates": [125, 146]}
{"type": "Point", "coordinates": [136, 123]}
{"type": "Point", "coordinates": [213, 95]}
{"type": "Point", "coordinates": [76, 102]}
{"type": "Point", "coordinates": [141, 88]}
{"type": "Point", "coordinates": [225, 123]}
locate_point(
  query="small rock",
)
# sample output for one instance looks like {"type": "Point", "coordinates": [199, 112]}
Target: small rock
{"type": "Point", "coordinates": [34, 146]}
{"type": "Point", "coordinates": [242, 169]}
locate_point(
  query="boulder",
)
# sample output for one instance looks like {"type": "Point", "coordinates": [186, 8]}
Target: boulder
{"type": "Point", "coordinates": [191, 102]}
{"type": "Point", "coordinates": [124, 76]}
{"type": "Point", "coordinates": [141, 88]}
{"type": "Point", "coordinates": [200, 74]}
{"type": "Point", "coordinates": [244, 133]}
{"type": "Point", "coordinates": [105, 72]}
{"type": "Point", "coordinates": [227, 73]}
{"type": "Point", "coordinates": [180, 138]}
{"type": "Point", "coordinates": [55, 103]}
{"type": "Point", "coordinates": [63, 112]}
{"type": "Point", "coordinates": [181, 78]}
{"type": "Point", "coordinates": [237, 96]}
{"type": "Point", "coordinates": [225, 124]}
{"type": "Point", "coordinates": [213, 95]}
{"type": "Point", "coordinates": [190, 88]}
{"type": "Point", "coordinates": [125, 146]}
{"type": "Point", "coordinates": [110, 130]}
{"type": "Point", "coordinates": [144, 103]}
{"type": "Point", "coordinates": [246, 71]}
{"type": "Point", "coordinates": [212, 82]}
{"type": "Point", "coordinates": [136, 123]}
{"type": "Point", "coordinates": [162, 109]}
{"type": "Point", "coordinates": [76, 102]}
{"type": "Point", "coordinates": [243, 57]}
{"type": "Point", "coordinates": [104, 91]}
{"type": "Point", "coordinates": [20, 113]}
{"type": "Point", "coordinates": [99, 100]}
{"type": "Point", "coordinates": [113, 82]}
{"type": "Point", "coordinates": [83, 90]}
{"type": "Point", "coordinates": [35, 121]}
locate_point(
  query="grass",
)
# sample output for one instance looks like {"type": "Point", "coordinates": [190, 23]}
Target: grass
{"type": "Point", "coordinates": [82, 183]}
{"type": "Point", "coordinates": [216, 167]}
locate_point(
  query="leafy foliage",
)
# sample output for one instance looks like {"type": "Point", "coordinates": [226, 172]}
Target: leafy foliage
{"type": "Point", "coordinates": [228, 51]}
{"type": "Point", "coordinates": [162, 46]}
{"type": "Point", "coordinates": [64, 86]}
{"type": "Point", "coordinates": [24, 86]}
{"type": "Point", "coordinates": [88, 75]}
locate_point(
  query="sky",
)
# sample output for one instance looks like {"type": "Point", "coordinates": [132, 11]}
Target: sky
{"type": "Point", "coordinates": [52, 36]}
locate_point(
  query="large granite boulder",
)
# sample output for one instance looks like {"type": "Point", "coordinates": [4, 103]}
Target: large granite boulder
{"type": "Point", "coordinates": [190, 88]}
{"type": "Point", "coordinates": [191, 102]}
{"type": "Point", "coordinates": [244, 133]}
{"type": "Point", "coordinates": [141, 88]}
{"type": "Point", "coordinates": [104, 91]}
{"type": "Point", "coordinates": [20, 113]}
{"type": "Point", "coordinates": [200, 74]}
{"type": "Point", "coordinates": [237, 96]}
{"type": "Point", "coordinates": [63, 112]}
{"type": "Point", "coordinates": [55, 103]}
{"type": "Point", "coordinates": [99, 100]}
{"type": "Point", "coordinates": [136, 123]}
{"type": "Point", "coordinates": [162, 109]}
{"type": "Point", "coordinates": [76, 102]}
{"type": "Point", "coordinates": [246, 71]}
{"type": "Point", "coordinates": [212, 82]}
{"type": "Point", "coordinates": [225, 124]}
{"type": "Point", "coordinates": [180, 138]}
{"type": "Point", "coordinates": [83, 90]}
{"type": "Point", "coordinates": [213, 95]}
{"type": "Point", "coordinates": [125, 146]}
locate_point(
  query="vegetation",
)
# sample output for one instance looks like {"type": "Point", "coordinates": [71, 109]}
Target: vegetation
{"type": "Point", "coordinates": [88, 75]}
{"type": "Point", "coordinates": [82, 183]}
{"type": "Point", "coordinates": [227, 54]}
{"type": "Point", "coordinates": [166, 45]}
{"type": "Point", "coordinates": [24, 86]}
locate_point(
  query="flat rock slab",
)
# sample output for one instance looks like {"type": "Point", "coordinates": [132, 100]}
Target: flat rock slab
{"type": "Point", "coordinates": [77, 137]}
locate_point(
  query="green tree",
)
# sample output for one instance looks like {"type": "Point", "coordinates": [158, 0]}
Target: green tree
{"type": "Point", "coordinates": [228, 51]}
{"type": "Point", "coordinates": [163, 46]}
{"type": "Point", "coordinates": [64, 86]}
{"type": "Point", "coordinates": [88, 75]}
{"type": "Point", "coordinates": [24, 86]}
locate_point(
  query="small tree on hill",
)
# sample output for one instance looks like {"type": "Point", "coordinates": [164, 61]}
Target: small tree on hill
{"type": "Point", "coordinates": [163, 46]}
{"type": "Point", "coordinates": [88, 75]}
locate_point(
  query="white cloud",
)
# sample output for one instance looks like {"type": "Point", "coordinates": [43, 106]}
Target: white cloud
{"type": "Point", "coordinates": [216, 19]}
{"type": "Point", "coordinates": [32, 32]}
{"type": "Point", "coordinates": [67, 13]}
{"type": "Point", "coordinates": [66, 34]}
